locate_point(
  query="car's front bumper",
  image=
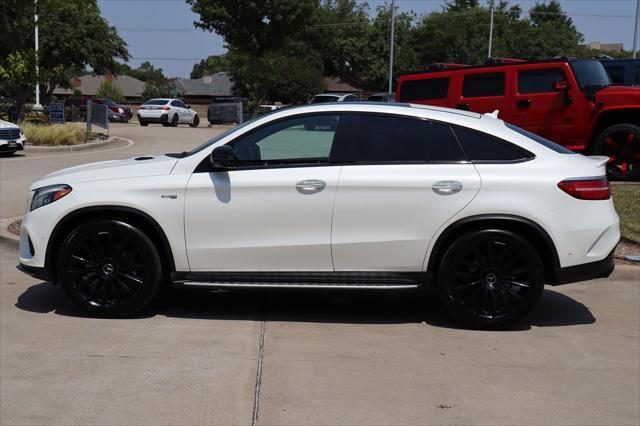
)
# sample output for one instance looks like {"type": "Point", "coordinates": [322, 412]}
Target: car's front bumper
{"type": "Point", "coordinates": [36, 272]}
{"type": "Point", "coordinates": [11, 145]}
{"type": "Point", "coordinates": [587, 271]}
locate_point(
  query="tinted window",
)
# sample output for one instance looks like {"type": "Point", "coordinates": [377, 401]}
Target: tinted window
{"type": "Point", "coordinates": [478, 85]}
{"type": "Point", "coordinates": [590, 73]}
{"type": "Point", "coordinates": [539, 81]}
{"type": "Point", "coordinates": [297, 140]}
{"type": "Point", "coordinates": [546, 142]}
{"type": "Point", "coordinates": [637, 83]}
{"type": "Point", "coordinates": [425, 89]}
{"type": "Point", "coordinates": [482, 147]}
{"type": "Point", "coordinates": [181, 104]}
{"type": "Point", "coordinates": [380, 139]}
{"type": "Point", "coordinates": [351, 98]}
{"type": "Point", "coordinates": [322, 99]}
{"type": "Point", "coordinates": [616, 75]}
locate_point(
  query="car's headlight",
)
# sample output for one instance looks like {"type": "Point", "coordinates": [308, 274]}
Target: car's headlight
{"type": "Point", "coordinates": [120, 110]}
{"type": "Point", "coordinates": [48, 194]}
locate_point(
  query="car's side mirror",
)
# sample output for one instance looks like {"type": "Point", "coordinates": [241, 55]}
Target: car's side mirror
{"type": "Point", "coordinates": [222, 158]}
{"type": "Point", "coordinates": [189, 106]}
{"type": "Point", "coordinates": [560, 86]}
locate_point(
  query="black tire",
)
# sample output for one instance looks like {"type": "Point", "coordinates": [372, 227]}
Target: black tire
{"type": "Point", "coordinates": [621, 143]}
{"type": "Point", "coordinates": [7, 153]}
{"type": "Point", "coordinates": [109, 268]}
{"type": "Point", "coordinates": [490, 278]}
{"type": "Point", "coordinates": [174, 120]}
{"type": "Point", "coordinates": [144, 124]}
{"type": "Point", "coordinates": [195, 122]}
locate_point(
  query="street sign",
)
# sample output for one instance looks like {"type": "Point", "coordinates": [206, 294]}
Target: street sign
{"type": "Point", "coordinates": [56, 113]}
{"type": "Point", "coordinates": [97, 114]}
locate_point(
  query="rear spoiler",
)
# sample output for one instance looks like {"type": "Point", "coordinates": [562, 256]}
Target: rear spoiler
{"type": "Point", "coordinates": [600, 160]}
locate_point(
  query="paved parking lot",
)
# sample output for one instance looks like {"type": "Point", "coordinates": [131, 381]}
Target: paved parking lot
{"type": "Point", "coordinates": [304, 357]}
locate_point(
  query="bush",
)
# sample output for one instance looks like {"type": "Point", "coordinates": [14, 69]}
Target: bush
{"type": "Point", "coordinates": [54, 134]}
{"type": "Point", "coordinates": [110, 91]}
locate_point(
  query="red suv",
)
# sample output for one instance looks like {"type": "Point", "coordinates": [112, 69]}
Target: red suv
{"type": "Point", "coordinates": [569, 101]}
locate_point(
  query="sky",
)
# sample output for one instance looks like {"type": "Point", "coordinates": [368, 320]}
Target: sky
{"type": "Point", "coordinates": [162, 31]}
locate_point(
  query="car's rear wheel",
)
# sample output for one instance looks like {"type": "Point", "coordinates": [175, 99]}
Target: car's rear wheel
{"type": "Point", "coordinates": [109, 268]}
{"type": "Point", "coordinates": [174, 120]}
{"type": "Point", "coordinates": [195, 122]}
{"type": "Point", "coordinates": [490, 278]}
{"type": "Point", "coordinates": [621, 143]}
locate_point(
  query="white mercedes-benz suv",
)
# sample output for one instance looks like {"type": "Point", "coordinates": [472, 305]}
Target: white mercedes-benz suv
{"type": "Point", "coordinates": [11, 138]}
{"type": "Point", "coordinates": [362, 195]}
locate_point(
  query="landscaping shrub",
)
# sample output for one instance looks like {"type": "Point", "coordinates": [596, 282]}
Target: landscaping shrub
{"type": "Point", "coordinates": [54, 134]}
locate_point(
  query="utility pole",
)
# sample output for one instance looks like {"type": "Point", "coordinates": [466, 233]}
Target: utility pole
{"type": "Point", "coordinates": [635, 30]}
{"type": "Point", "coordinates": [391, 42]}
{"type": "Point", "coordinates": [491, 31]}
{"type": "Point", "coordinates": [37, 106]}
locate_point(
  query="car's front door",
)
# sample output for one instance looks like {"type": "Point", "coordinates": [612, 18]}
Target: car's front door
{"type": "Point", "coordinates": [403, 179]}
{"type": "Point", "coordinates": [272, 212]}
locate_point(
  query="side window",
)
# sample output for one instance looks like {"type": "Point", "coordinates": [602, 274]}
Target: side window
{"type": "Point", "coordinates": [481, 147]}
{"type": "Point", "coordinates": [351, 98]}
{"type": "Point", "coordinates": [176, 104]}
{"type": "Point", "coordinates": [424, 89]}
{"type": "Point", "coordinates": [389, 139]}
{"type": "Point", "coordinates": [305, 139]}
{"type": "Point", "coordinates": [478, 85]}
{"type": "Point", "coordinates": [182, 104]}
{"type": "Point", "coordinates": [539, 81]}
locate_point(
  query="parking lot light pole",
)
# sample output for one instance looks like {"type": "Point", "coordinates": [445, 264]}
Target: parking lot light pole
{"type": "Point", "coordinates": [491, 32]}
{"type": "Point", "coordinates": [635, 30]}
{"type": "Point", "coordinates": [37, 105]}
{"type": "Point", "coordinates": [391, 42]}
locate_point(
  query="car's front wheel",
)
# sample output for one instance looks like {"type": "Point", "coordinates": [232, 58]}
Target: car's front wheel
{"type": "Point", "coordinates": [174, 120]}
{"type": "Point", "coordinates": [195, 122]}
{"type": "Point", "coordinates": [490, 278]}
{"type": "Point", "coordinates": [109, 268]}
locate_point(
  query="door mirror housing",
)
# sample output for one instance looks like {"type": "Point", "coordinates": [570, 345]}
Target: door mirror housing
{"type": "Point", "coordinates": [223, 158]}
{"type": "Point", "coordinates": [189, 106]}
{"type": "Point", "coordinates": [560, 86]}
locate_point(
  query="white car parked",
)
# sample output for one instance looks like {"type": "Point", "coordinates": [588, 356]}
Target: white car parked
{"type": "Point", "coordinates": [168, 112]}
{"type": "Point", "coordinates": [358, 196]}
{"type": "Point", "coordinates": [11, 138]}
{"type": "Point", "coordinates": [333, 97]}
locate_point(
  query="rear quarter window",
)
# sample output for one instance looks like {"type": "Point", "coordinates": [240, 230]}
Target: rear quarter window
{"type": "Point", "coordinates": [483, 148]}
{"type": "Point", "coordinates": [542, 141]}
{"type": "Point", "coordinates": [424, 89]}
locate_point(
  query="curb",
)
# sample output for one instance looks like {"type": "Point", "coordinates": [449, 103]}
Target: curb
{"type": "Point", "coordinates": [68, 148]}
{"type": "Point", "coordinates": [6, 236]}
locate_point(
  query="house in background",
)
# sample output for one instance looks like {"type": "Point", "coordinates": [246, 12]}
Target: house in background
{"type": "Point", "coordinates": [339, 85]}
{"type": "Point", "coordinates": [131, 88]}
{"type": "Point", "coordinates": [202, 91]}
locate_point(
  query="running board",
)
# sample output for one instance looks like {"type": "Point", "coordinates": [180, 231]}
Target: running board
{"type": "Point", "coordinates": [359, 286]}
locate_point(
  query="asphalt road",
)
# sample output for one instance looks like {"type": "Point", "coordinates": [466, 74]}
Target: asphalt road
{"type": "Point", "coordinates": [305, 357]}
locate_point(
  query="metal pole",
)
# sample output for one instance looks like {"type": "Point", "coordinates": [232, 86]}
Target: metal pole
{"type": "Point", "coordinates": [37, 106]}
{"type": "Point", "coordinates": [635, 31]}
{"type": "Point", "coordinates": [491, 32]}
{"type": "Point", "coordinates": [391, 43]}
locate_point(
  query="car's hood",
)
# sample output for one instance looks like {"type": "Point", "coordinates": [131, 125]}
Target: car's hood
{"type": "Point", "coordinates": [6, 124]}
{"type": "Point", "coordinates": [619, 95]}
{"type": "Point", "coordinates": [152, 165]}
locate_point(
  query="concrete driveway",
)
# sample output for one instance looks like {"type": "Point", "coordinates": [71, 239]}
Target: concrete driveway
{"type": "Point", "coordinates": [305, 357]}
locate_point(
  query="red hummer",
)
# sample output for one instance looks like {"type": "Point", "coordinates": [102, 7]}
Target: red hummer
{"type": "Point", "coordinates": [569, 101]}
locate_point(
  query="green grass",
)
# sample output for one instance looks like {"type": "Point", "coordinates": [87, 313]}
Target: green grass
{"type": "Point", "coordinates": [54, 134]}
{"type": "Point", "coordinates": [627, 201]}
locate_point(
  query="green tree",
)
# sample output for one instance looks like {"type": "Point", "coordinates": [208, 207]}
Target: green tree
{"type": "Point", "coordinates": [254, 30]}
{"type": "Point", "coordinates": [148, 73]}
{"type": "Point", "coordinates": [73, 36]}
{"type": "Point", "coordinates": [159, 89]}
{"type": "Point", "coordinates": [110, 91]}
{"type": "Point", "coordinates": [552, 32]}
{"type": "Point", "coordinates": [212, 65]}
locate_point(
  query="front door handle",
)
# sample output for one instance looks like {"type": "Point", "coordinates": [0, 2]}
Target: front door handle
{"type": "Point", "coordinates": [446, 187]}
{"type": "Point", "coordinates": [523, 103]}
{"type": "Point", "coordinates": [310, 186]}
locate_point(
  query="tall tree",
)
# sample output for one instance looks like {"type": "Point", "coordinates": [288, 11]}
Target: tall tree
{"type": "Point", "coordinates": [254, 28]}
{"type": "Point", "coordinates": [212, 65]}
{"type": "Point", "coordinates": [73, 36]}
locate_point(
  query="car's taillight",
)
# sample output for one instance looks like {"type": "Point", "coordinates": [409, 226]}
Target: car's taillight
{"type": "Point", "coordinates": [166, 108]}
{"type": "Point", "coordinates": [587, 188]}
{"type": "Point", "coordinates": [142, 107]}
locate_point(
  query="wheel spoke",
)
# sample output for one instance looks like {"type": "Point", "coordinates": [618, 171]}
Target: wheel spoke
{"type": "Point", "coordinates": [469, 285]}
{"type": "Point", "coordinates": [518, 283]}
{"type": "Point", "coordinates": [609, 141]}
{"type": "Point", "coordinates": [124, 286]}
{"type": "Point", "coordinates": [518, 297]}
{"type": "Point", "coordinates": [130, 277]}
{"type": "Point", "coordinates": [83, 260]}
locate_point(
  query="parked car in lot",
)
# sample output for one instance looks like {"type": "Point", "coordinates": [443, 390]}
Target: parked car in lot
{"type": "Point", "coordinates": [116, 112]}
{"type": "Point", "coordinates": [333, 97]}
{"type": "Point", "coordinates": [624, 72]}
{"type": "Point", "coordinates": [390, 197]}
{"type": "Point", "coordinates": [570, 102]}
{"type": "Point", "coordinates": [168, 112]}
{"type": "Point", "coordinates": [11, 138]}
{"type": "Point", "coordinates": [382, 97]}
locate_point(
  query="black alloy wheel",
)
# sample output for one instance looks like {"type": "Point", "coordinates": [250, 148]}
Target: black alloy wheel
{"type": "Point", "coordinates": [195, 122]}
{"type": "Point", "coordinates": [174, 120]}
{"type": "Point", "coordinates": [490, 278]}
{"type": "Point", "coordinates": [621, 143]}
{"type": "Point", "coordinates": [109, 268]}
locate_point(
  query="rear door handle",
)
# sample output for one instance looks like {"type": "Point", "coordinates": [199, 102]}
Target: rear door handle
{"type": "Point", "coordinates": [446, 187]}
{"type": "Point", "coordinates": [310, 186]}
{"type": "Point", "coordinates": [523, 103]}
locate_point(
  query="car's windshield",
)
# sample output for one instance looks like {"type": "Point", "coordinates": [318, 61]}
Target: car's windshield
{"type": "Point", "coordinates": [155, 102]}
{"type": "Point", "coordinates": [322, 99]}
{"type": "Point", "coordinates": [590, 74]}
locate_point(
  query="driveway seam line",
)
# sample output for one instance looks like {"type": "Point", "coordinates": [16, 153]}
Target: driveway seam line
{"type": "Point", "coordinates": [256, 392]}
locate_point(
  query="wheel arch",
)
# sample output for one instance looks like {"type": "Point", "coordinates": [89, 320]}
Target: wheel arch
{"type": "Point", "coordinates": [127, 214]}
{"type": "Point", "coordinates": [528, 229]}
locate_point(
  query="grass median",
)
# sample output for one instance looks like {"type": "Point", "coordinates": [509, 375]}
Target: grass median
{"type": "Point", "coordinates": [54, 134]}
{"type": "Point", "coordinates": [626, 198]}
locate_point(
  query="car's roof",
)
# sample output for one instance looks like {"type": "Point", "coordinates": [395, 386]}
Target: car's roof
{"type": "Point", "coordinates": [464, 69]}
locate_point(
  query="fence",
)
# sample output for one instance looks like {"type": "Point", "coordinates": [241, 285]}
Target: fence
{"type": "Point", "coordinates": [227, 112]}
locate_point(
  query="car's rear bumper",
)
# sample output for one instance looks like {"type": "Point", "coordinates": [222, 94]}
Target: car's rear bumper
{"type": "Point", "coordinates": [587, 271]}
{"type": "Point", "coordinates": [153, 119]}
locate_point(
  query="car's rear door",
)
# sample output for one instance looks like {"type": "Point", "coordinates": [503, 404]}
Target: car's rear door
{"type": "Point", "coordinates": [272, 212]}
{"type": "Point", "coordinates": [403, 178]}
